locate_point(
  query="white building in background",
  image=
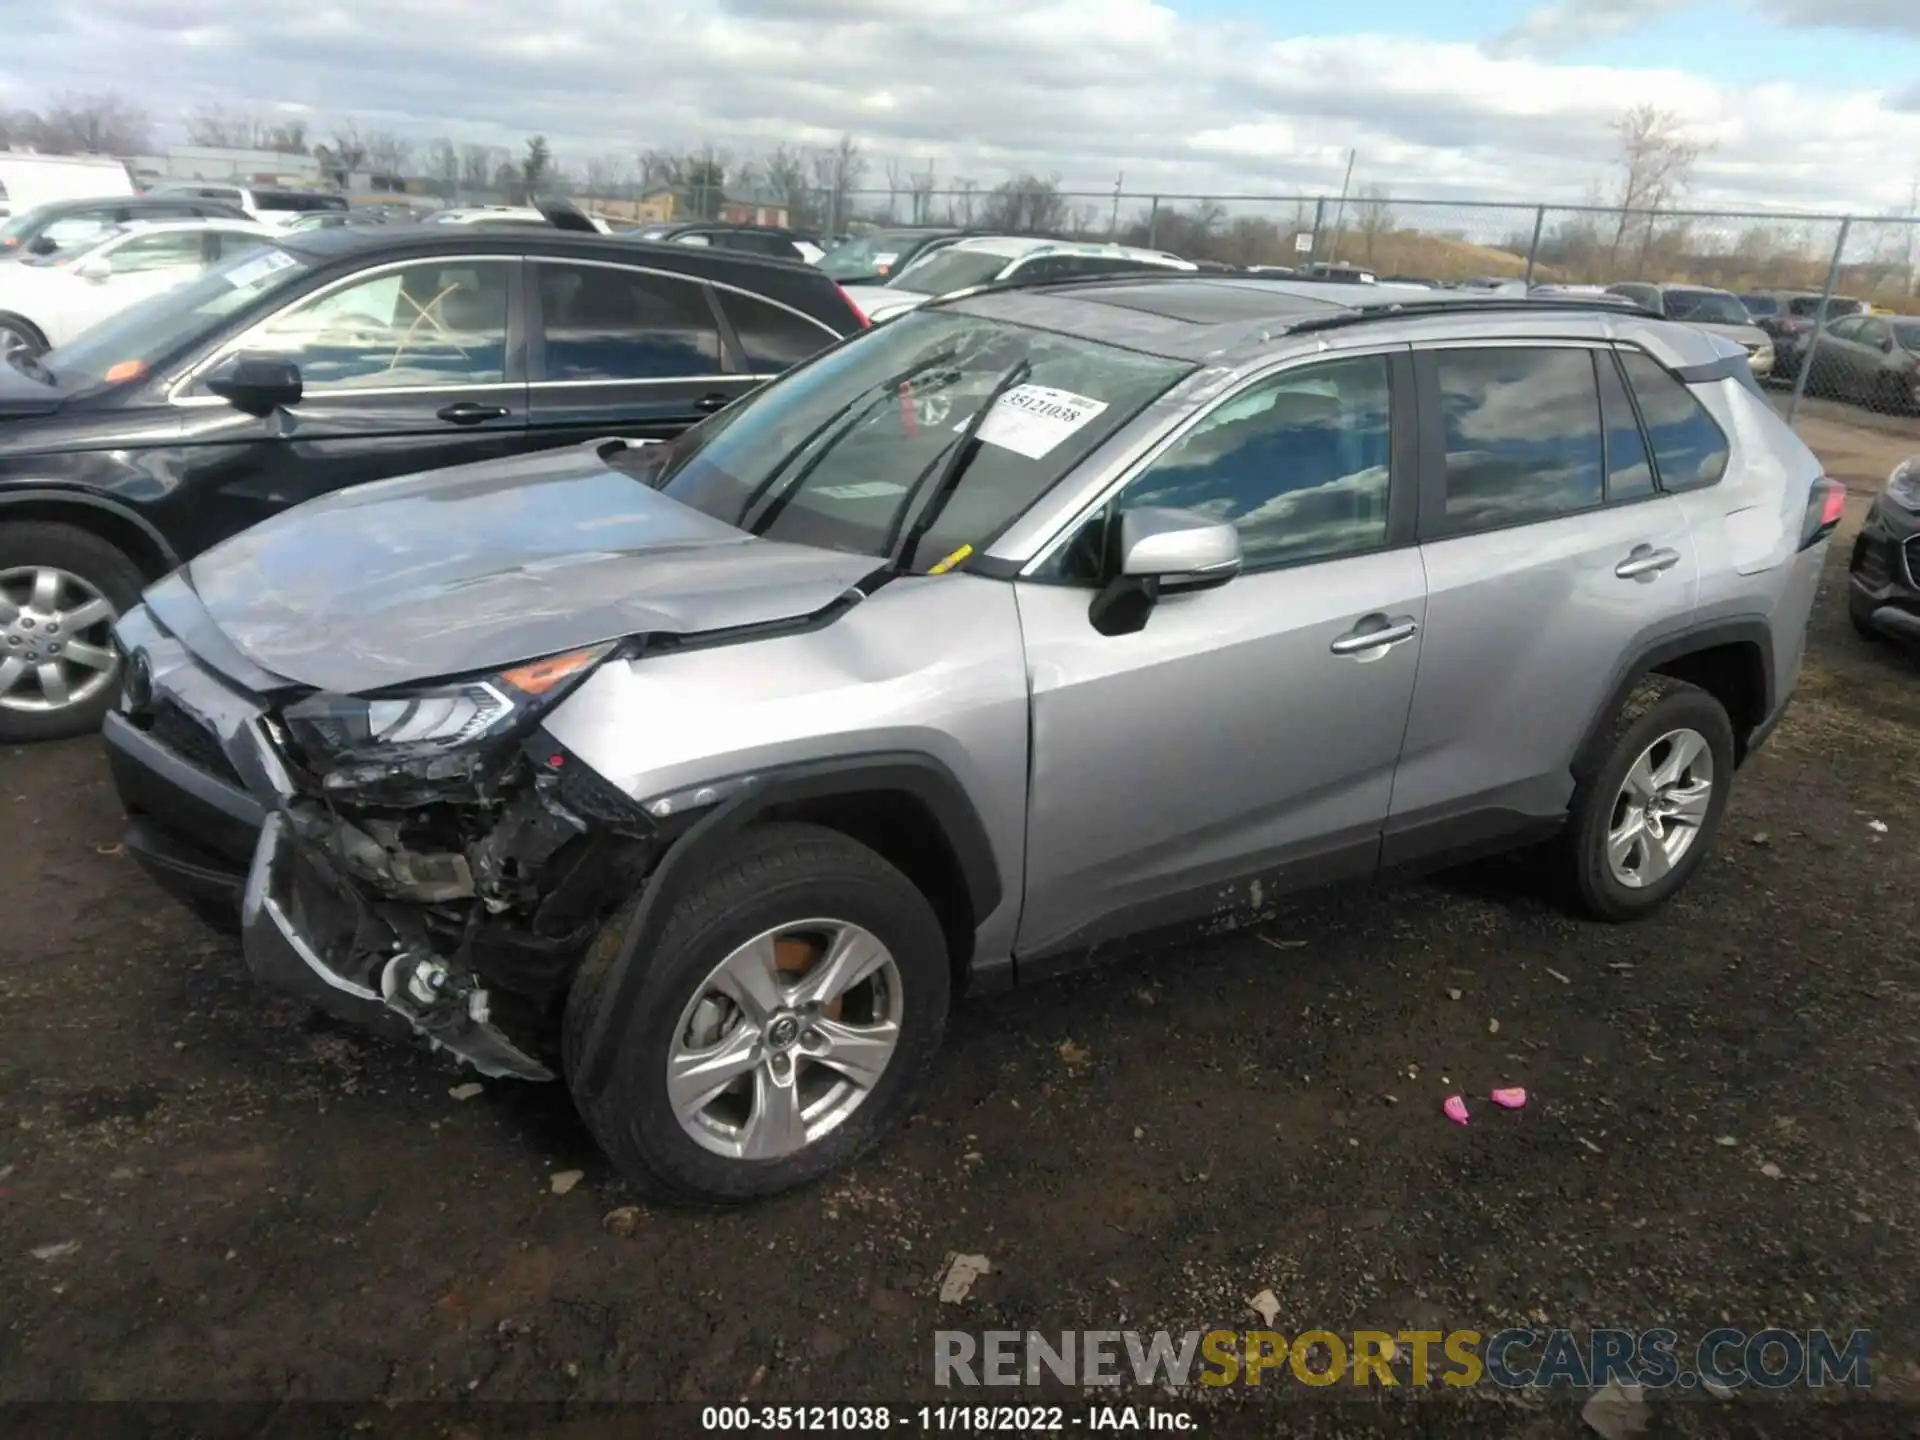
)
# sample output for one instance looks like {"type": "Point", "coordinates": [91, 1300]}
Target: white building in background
{"type": "Point", "coordinates": [233, 167]}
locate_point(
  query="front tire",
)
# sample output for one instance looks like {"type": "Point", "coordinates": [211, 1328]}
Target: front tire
{"type": "Point", "coordinates": [20, 336]}
{"type": "Point", "coordinates": [61, 589]}
{"type": "Point", "coordinates": [1644, 819]}
{"type": "Point", "coordinates": [786, 1021]}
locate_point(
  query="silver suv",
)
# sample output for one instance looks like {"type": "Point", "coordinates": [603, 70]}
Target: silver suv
{"type": "Point", "coordinates": [707, 773]}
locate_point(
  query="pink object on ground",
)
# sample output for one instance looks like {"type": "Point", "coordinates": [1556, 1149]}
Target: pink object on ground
{"type": "Point", "coordinates": [1455, 1109]}
{"type": "Point", "coordinates": [1511, 1099]}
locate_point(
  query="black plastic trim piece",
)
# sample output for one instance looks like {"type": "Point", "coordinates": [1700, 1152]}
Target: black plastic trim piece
{"type": "Point", "coordinates": [918, 775]}
{"type": "Point", "coordinates": [1751, 630]}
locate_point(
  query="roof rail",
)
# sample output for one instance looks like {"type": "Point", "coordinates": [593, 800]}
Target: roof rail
{"type": "Point", "coordinates": [1515, 305]}
{"type": "Point", "coordinates": [1146, 271]}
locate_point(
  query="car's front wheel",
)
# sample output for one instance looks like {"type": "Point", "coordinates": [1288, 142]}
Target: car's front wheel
{"type": "Point", "coordinates": [20, 337]}
{"type": "Point", "coordinates": [785, 1021]}
{"type": "Point", "coordinates": [1644, 819]}
{"type": "Point", "coordinates": [61, 589]}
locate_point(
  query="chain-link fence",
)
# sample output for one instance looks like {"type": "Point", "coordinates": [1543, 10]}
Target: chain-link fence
{"type": "Point", "coordinates": [1797, 287]}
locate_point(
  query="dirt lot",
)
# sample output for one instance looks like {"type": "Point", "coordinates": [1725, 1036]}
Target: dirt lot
{"type": "Point", "coordinates": [269, 1209]}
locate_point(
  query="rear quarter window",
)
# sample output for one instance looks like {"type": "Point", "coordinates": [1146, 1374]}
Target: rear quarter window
{"type": "Point", "coordinates": [1690, 451]}
{"type": "Point", "coordinates": [772, 339]}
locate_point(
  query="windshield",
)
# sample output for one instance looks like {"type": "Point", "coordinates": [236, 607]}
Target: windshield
{"type": "Point", "coordinates": [1906, 334]}
{"type": "Point", "coordinates": [854, 451]}
{"type": "Point", "coordinates": [127, 346]}
{"type": "Point", "coordinates": [16, 229]}
{"type": "Point", "coordinates": [950, 269]}
{"type": "Point", "coordinates": [1758, 305]}
{"type": "Point", "coordinates": [871, 257]}
{"type": "Point", "coordinates": [1707, 307]}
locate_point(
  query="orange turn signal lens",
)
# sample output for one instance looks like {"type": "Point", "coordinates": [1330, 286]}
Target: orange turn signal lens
{"type": "Point", "coordinates": [126, 370]}
{"type": "Point", "coordinates": [537, 677]}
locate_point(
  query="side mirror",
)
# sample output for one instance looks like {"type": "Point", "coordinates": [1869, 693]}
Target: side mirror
{"type": "Point", "coordinates": [96, 269]}
{"type": "Point", "coordinates": [42, 245]}
{"type": "Point", "coordinates": [258, 386]}
{"type": "Point", "coordinates": [1162, 552]}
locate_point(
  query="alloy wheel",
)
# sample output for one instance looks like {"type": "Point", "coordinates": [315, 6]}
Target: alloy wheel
{"type": "Point", "coordinates": [56, 639]}
{"type": "Point", "coordinates": [1661, 806]}
{"type": "Point", "coordinates": [785, 1038]}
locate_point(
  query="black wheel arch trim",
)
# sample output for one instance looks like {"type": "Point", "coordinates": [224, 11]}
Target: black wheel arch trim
{"type": "Point", "coordinates": [1745, 629]}
{"type": "Point", "coordinates": [45, 495]}
{"type": "Point", "coordinates": [919, 775]}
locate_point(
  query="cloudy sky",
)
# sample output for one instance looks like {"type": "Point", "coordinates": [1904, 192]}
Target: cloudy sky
{"type": "Point", "coordinates": [1806, 103]}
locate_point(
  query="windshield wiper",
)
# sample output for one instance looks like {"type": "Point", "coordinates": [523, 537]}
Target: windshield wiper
{"type": "Point", "coordinates": [953, 465]}
{"type": "Point", "coordinates": [828, 433]}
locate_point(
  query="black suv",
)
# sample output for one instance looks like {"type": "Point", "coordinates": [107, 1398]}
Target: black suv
{"type": "Point", "coordinates": [769, 240]}
{"type": "Point", "coordinates": [334, 358]}
{"type": "Point", "coordinates": [62, 224]}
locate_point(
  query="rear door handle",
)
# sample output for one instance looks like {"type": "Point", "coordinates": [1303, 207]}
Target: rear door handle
{"type": "Point", "coordinates": [1375, 633]}
{"type": "Point", "coordinates": [707, 404]}
{"type": "Point", "coordinates": [468, 412]}
{"type": "Point", "coordinates": [1646, 562]}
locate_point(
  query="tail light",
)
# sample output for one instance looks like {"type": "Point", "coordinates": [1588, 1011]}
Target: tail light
{"type": "Point", "coordinates": [1826, 503]}
{"type": "Point", "coordinates": [858, 313]}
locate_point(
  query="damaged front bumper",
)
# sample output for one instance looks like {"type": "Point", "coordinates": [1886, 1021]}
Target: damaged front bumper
{"type": "Point", "coordinates": [458, 921]}
{"type": "Point", "coordinates": [306, 931]}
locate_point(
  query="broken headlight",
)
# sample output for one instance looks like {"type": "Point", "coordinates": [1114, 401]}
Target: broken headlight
{"type": "Point", "coordinates": [437, 732]}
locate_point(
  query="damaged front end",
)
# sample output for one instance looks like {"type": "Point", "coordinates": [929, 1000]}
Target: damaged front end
{"type": "Point", "coordinates": [438, 870]}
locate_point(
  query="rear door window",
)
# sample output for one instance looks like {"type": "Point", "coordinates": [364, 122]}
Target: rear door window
{"type": "Point", "coordinates": [602, 322]}
{"type": "Point", "coordinates": [1689, 450]}
{"type": "Point", "coordinates": [772, 338]}
{"type": "Point", "coordinates": [1523, 436]}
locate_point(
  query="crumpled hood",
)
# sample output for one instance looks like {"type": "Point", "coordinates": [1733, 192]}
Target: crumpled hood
{"type": "Point", "coordinates": [483, 566]}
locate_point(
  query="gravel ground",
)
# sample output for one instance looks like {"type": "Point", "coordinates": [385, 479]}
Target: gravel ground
{"type": "Point", "coordinates": [1724, 1127]}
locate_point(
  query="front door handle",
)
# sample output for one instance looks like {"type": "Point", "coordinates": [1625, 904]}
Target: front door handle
{"type": "Point", "coordinates": [1375, 633]}
{"type": "Point", "coordinates": [707, 404]}
{"type": "Point", "coordinates": [468, 412]}
{"type": "Point", "coordinates": [1646, 562]}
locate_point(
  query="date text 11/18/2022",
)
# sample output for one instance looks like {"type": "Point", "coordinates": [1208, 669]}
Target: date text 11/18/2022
{"type": "Point", "coordinates": [947, 1419]}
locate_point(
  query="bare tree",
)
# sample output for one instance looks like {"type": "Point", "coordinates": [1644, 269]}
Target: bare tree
{"type": "Point", "coordinates": [1372, 218]}
{"type": "Point", "coordinates": [98, 124]}
{"type": "Point", "coordinates": [605, 174]}
{"type": "Point", "coordinates": [537, 170]}
{"type": "Point", "coordinates": [1656, 160]}
{"type": "Point", "coordinates": [348, 150]}
{"type": "Point", "coordinates": [921, 189]}
{"type": "Point", "coordinates": [960, 204]}
{"type": "Point", "coordinates": [218, 126]}
{"type": "Point", "coordinates": [898, 179]}
{"type": "Point", "coordinates": [1027, 204]}
{"type": "Point", "coordinates": [659, 170]}
{"type": "Point", "coordinates": [785, 173]}
{"type": "Point", "coordinates": [388, 155]}
{"type": "Point", "coordinates": [443, 166]}
{"type": "Point", "coordinates": [837, 173]}
{"type": "Point", "coordinates": [476, 167]}
{"type": "Point", "coordinates": [287, 137]}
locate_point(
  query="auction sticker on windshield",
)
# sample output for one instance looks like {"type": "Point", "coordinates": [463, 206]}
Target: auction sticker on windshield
{"type": "Point", "coordinates": [1030, 420]}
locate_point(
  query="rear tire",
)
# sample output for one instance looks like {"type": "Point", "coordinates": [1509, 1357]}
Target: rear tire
{"type": "Point", "coordinates": [1614, 871]}
{"type": "Point", "coordinates": [44, 631]}
{"type": "Point", "coordinates": [789, 880]}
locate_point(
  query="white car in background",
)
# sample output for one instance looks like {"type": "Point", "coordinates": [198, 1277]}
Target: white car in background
{"type": "Point", "coordinates": [46, 300]}
{"type": "Point", "coordinates": [271, 205]}
{"type": "Point", "coordinates": [983, 259]}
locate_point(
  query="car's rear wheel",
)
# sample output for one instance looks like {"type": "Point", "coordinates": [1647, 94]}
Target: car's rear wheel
{"type": "Point", "coordinates": [786, 1020]}
{"type": "Point", "coordinates": [1644, 818]}
{"type": "Point", "coordinates": [61, 589]}
{"type": "Point", "coordinates": [19, 336]}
